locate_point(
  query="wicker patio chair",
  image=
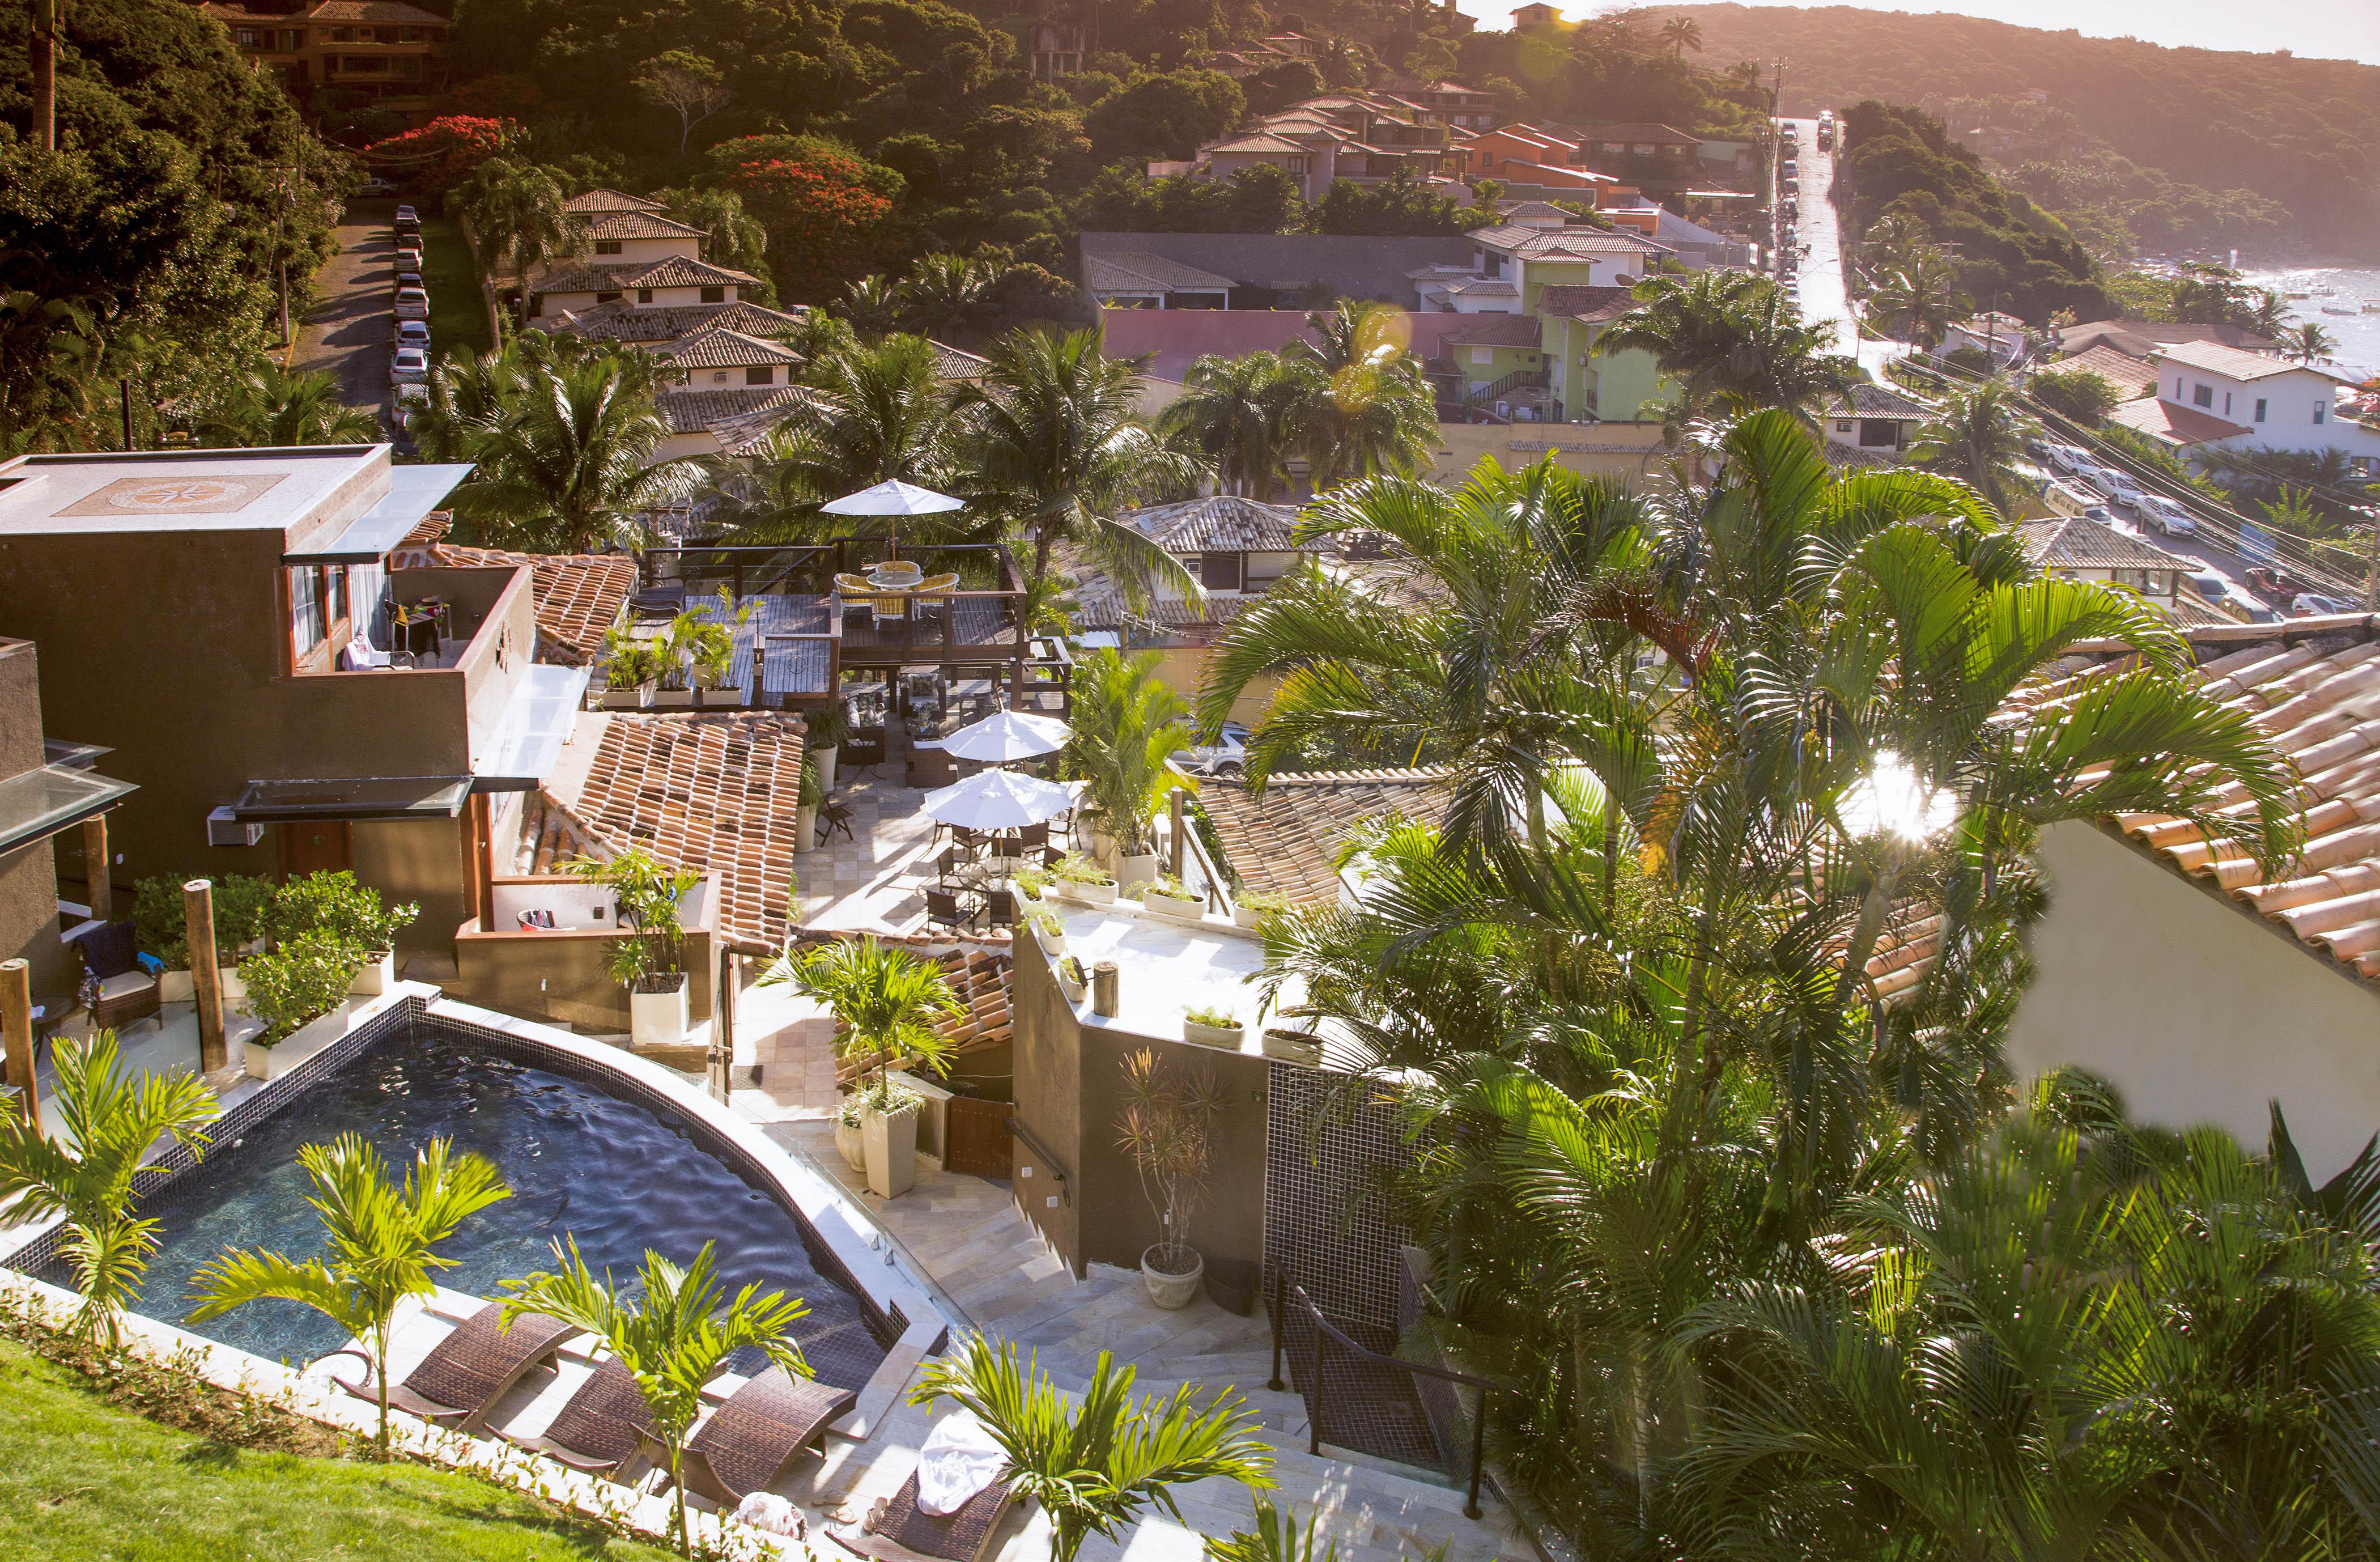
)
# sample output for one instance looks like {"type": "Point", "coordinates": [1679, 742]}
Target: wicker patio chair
{"type": "Point", "coordinates": [601, 1426]}
{"type": "Point", "coordinates": [468, 1370]}
{"type": "Point", "coordinates": [897, 1530]}
{"type": "Point", "coordinates": [764, 1426]}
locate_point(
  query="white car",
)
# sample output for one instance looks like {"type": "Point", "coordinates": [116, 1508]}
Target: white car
{"type": "Point", "coordinates": [413, 333]}
{"type": "Point", "coordinates": [407, 214]}
{"type": "Point", "coordinates": [1227, 757]}
{"type": "Point", "coordinates": [2165, 515]}
{"type": "Point", "coordinates": [412, 303]}
{"type": "Point", "coordinates": [2118, 486]}
{"type": "Point", "coordinates": [409, 365]}
{"type": "Point", "coordinates": [2068, 461]}
{"type": "Point", "coordinates": [2313, 604]}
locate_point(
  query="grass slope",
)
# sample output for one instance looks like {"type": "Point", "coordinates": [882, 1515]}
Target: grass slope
{"type": "Point", "coordinates": [457, 316]}
{"type": "Point", "coordinates": [82, 1481]}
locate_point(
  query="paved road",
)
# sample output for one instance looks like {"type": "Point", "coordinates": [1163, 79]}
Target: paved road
{"type": "Point", "coordinates": [1821, 276]}
{"type": "Point", "coordinates": [348, 331]}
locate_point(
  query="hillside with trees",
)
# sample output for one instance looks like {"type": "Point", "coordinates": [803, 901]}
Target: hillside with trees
{"type": "Point", "coordinates": [2197, 142]}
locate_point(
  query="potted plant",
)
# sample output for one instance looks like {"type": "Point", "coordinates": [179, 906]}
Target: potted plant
{"type": "Point", "coordinates": [293, 988]}
{"type": "Point", "coordinates": [673, 655]}
{"type": "Point", "coordinates": [1081, 879]}
{"type": "Point", "coordinates": [1168, 1126]}
{"type": "Point", "coordinates": [1250, 910]}
{"type": "Point", "coordinates": [1072, 980]}
{"type": "Point", "coordinates": [630, 669]}
{"type": "Point", "coordinates": [1294, 1047]}
{"type": "Point", "coordinates": [1033, 883]}
{"type": "Point", "coordinates": [822, 735]}
{"type": "Point", "coordinates": [648, 957]}
{"type": "Point", "coordinates": [1165, 897]}
{"type": "Point", "coordinates": [336, 904]}
{"type": "Point", "coordinates": [810, 798]}
{"type": "Point", "coordinates": [850, 1133]}
{"type": "Point", "coordinates": [890, 1004]}
{"type": "Point", "coordinates": [710, 653]}
{"type": "Point", "coordinates": [1050, 932]}
{"type": "Point", "coordinates": [1126, 724]}
{"type": "Point", "coordinates": [240, 904]}
{"type": "Point", "coordinates": [1213, 1028]}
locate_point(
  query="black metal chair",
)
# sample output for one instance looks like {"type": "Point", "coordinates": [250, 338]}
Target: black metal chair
{"type": "Point", "coordinates": [947, 863]}
{"type": "Point", "coordinates": [833, 817]}
{"type": "Point", "coordinates": [1032, 838]}
{"type": "Point", "coordinates": [942, 910]}
{"type": "Point", "coordinates": [998, 908]}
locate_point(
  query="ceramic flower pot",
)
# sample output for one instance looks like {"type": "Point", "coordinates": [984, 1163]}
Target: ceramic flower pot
{"type": "Point", "coordinates": [1291, 1047]}
{"type": "Point", "coordinates": [1170, 1291]}
{"type": "Point", "coordinates": [825, 759]}
{"type": "Point", "coordinates": [851, 1143]}
{"type": "Point", "coordinates": [805, 829]}
{"type": "Point", "coordinates": [892, 1150]}
{"type": "Point", "coordinates": [658, 1018]}
{"type": "Point", "coordinates": [1175, 908]}
{"type": "Point", "coordinates": [1088, 894]}
{"type": "Point", "coordinates": [378, 975]}
{"type": "Point", "coordinates": [1227, 1037]}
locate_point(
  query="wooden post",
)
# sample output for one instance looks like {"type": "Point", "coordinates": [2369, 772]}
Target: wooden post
{"type": "Point", "coordinates": [1181, 822]}
{"type": "Point", "coordinates": [17, 1031]}
{"type": "Point", "coordinates": [206, 971]}
{"type": "Point", "coordinates": [721, 1058]}
{"type": "Point", "coordinates": [100, 888]}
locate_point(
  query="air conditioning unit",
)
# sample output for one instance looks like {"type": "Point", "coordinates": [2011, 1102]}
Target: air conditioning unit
{"type": "Point", "coordinates": [223, 829]}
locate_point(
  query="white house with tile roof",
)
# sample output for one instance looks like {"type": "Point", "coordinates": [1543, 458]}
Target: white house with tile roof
{"type": "Point", "coordinates": [1133, 279]}
{"type": "Point", "coordinates": [2208, 393]}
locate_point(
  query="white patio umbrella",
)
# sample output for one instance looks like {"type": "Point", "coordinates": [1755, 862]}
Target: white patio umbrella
{"type": "Point", "coordinates": [896, 499]}
{"type": "Point", "coordinates": [1008, 735]}
{"type": "Point", "coordinates": [998, 799]}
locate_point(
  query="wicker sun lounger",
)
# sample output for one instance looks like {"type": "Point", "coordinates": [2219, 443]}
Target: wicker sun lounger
{"type": "Point", "coordinates": [763, 1427]}
{"type": "Point", "coordinates": [963, 1536]}
{"type": "Point", "coordinates": [601, 1427]}
{"type": "Point", "coordinates": [468, 1370]}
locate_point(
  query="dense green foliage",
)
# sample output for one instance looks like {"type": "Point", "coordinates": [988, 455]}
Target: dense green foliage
{"type": "Point", "coordinates": [146, 245]}
{"type": "Point", "coordinates": [1900, 161]}
{"type": "Point", "coordinates": [2197, 143]}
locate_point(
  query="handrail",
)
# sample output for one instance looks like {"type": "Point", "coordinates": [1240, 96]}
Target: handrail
{"type": "Point", "coordinates": [1048, 1160]}
{"type": "Point", "coordinates": [1325, 1329]}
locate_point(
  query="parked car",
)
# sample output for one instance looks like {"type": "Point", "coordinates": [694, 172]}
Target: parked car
{"type": "Point", "coordinates": [2310, 604]}
{"type": "Point", "coordinates": [1226, 756]}
{"type": "Point", "coordinates": [412, 303]}
{"type": "Point", "coordinates": [2036, 446]}
{"type": "Point", "coordinates": [2120, 487]}
{"type": "Point", "coordinates": [413, 333]}
{"type": "Point", "coordinates": [374, 184]}
{"type": "Point", "coordinates": [407, 214]}
{"type": "Point", "coordinates": [2069, 461]}
{"type": "Point", "coordinates": [2099, 513]}
{"type": "Point", "coordinates": [2167, 515]}
{"type": "Point", "coordinates": [408, 365]}
{"type": "Point", "coordinates": [406, 277]}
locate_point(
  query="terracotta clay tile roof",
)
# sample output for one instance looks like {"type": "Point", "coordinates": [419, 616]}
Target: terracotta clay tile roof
{"type": "Point", "coordinates": [715, 346]}
{"type": "Point", "coordinates": [1852, 458]}
{"type": "Point", "coordinates": [1282, 841]}
{"type": "Point", "coordinates": [951, 363]}
{"type": "Point", "coordinates": [680, 271]}
{"type": "Point", "coordinates": [1590, 304]}
{"type": "Point", "coordinates": [599, 199]}
{"type": "Point", "coordinates": [711, 792]}
{"type": "Point", "coordinates": [1493, 331]}
{"type": "Point", "coordinates": [670, 271]}
{"type": "Point", "coordinates": [1134, 270]}
{"type": "Point", "coordinates": [621, 321]}
{"type": "Point", "coordinates": [2235, 363]}
{"type": "Point", "coordinates": [641, 224]}
{"type": "Point", "coordinates": [429, 529]}
{"type": "Point", "coordinates": [2128, 374]}
{"type": "Point", "coordinates": [2138, 336]}
{"type": "Point", "coordinates": [1559, 243]}
{"type": "Point", "coordinates": [2175, 425]}
{"type": "Point", "coordinates": [2074, 541]}
{"type": "Point", "coordinates": [375, 10]}
{"type": "Point", "coordinates": [578, 597]}
{"type": "Point", "coordinates": [692, 411]}
{"type": "Point", "coordinates": [1223, 523]}
{"type": "Point", "coordinates": [1883, 402]}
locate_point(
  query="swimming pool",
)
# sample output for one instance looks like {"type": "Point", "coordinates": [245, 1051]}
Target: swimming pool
{"type": "Point", "coordinates": [583, 1161]}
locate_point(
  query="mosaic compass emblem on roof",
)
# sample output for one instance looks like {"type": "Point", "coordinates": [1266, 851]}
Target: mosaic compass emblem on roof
{"type": "Point", "coordinates": [175, 495]}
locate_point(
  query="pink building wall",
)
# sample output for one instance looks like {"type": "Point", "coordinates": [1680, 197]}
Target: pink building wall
{"type": "Point", "coordinates": [1178, 337]}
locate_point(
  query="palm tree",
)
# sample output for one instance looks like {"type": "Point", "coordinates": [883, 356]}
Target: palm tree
{"type": "Point", "coordinates": [569, 466]}
{"type": "Point", "coordinates": [1371, 410]}
{"type": "Point", "coordinates": [521, 212]}
{"type": "Point", "coordinates": [1682, 33]}
{"type": "Point", "coordinates": [112, 1119]}
{"type": "Point", "coordinates": [470, 392]}
{"type": "Point", "coordinates": [383, 1242]}
{"type": "Point", "coordinates": [1732, 342]}
{"type": "Point", "coordinates": [1055, 442]}
{"type": "Point", "coordinates": [1978, 433]}
{"type": "Point", "coordinates": [890, 1003]}
{"type": "Point", "coordinates": [673, 1337]}
{"type": "Point", "coordinates": [267, 405]}
{"type": "Point", "coordinates": [2309, 342]}
{"type": "Point", "coordinates": [1094, 1467]}
{"type": "Point", "coordinates": [1125, 724]}
{"type": "Point", "coordinates": [873, 305]}
{"type": "Point", "coordinates": [943, 293]}
{"type": "Point", "coordinates": [1241, 414]}
{"type": "Point", "coordinates": [1917, 297]}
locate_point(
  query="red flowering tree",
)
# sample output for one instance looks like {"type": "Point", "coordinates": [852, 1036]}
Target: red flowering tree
{"type": "Point", "coordinates": [441, 154]}
{"type": "Point", "coordinates": [826, 225]}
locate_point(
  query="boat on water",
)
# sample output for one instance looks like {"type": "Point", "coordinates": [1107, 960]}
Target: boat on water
{"type": "Point", "coordinates": [2338, 309]}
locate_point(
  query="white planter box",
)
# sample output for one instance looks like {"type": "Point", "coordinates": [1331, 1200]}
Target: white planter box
{"type": "Point", "coordinates": [271, 1063]}
{"type": "Point", "coordinates": [177, 987]}
{"type": "Point", "coordinates": [378, 975]}
{"type": "Point", "coordinates": [673, 699]}
{"type": "Point", "coordinates": [1074, 991]}
{"type": "Point", "coordinates": [658, 1018]}
{"type": "Point", "coordinates": [891, 1149]}
{"type": "Point", "coordinates": [824, 758]}
{"type": "Point", "coordinates": [1136, 870]}
{"type": "Point", "coordinates": [805, 829]}
{"type": "Point", "coordinates": [1227, 1037]}
{"type": "Point", "coordinates": [1249, 918]}
{"type": "Point", "coordinates": [1292, 1048]}
{"type": "Point", "coordinates": [634, 699]}
{"type": "Point", "coordinates": [1176, 911]}
{"type": "Point", "coordinates": [1086, 894]}
{"type": "Point", "coordinates": [1052, 943]}
{"type": "Point", "coordinates": [233, 989]}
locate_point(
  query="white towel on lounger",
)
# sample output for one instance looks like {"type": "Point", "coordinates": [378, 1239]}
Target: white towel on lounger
{"type": "Point", "coordinates": [958, 1460]}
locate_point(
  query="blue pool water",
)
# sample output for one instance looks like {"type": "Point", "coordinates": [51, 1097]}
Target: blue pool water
{"type": "Point", "coordinates": [581, 1162]}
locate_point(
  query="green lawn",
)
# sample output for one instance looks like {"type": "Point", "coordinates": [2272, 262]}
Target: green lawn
{"type": "Point", "coordinates": [82, 1481]}
{"type": "Point", "coordinates": [458, 317]}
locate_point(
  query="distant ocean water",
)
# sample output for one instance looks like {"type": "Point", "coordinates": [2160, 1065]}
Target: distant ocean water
{"type": "Point", "coordinates": [2358, 335]}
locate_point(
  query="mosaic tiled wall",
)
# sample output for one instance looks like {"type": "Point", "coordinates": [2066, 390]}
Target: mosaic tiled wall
{"type": "Point", "coordinates": [1324, 1224]}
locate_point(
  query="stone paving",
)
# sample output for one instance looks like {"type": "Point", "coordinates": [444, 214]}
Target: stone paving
{"type": "Point", "coordinates": [872, 882]}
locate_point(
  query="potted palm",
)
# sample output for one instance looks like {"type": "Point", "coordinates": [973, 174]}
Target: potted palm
{"type": "Point", "coordinates": [889, 1004]}
{"type": "Point", "coordinates": [648, 958]}
{"type": "Point", "coordinates": [710, 653]}
{"type": "Point", "coordinates": [383, 1243]}
{"type": "Point", "coordinates": [1165, 897]}
{"type": "Point", "coordinates": [114, 1118]}
{"type": "Point", "coordinates": [336, 904]}
{"type": "Point", "coordinates": [1213, 1028]}
{"type": "Point", "coordinates": [822, 735]}
{"type": "Point", "coordinates": [1250, 910]}
{"type": "Point", "coordinates": [1167, 1125]}
{"type": "Point", "coordinates": [673, 656]}
{"type": "Point", "coordinates": [1124, 726]}
{"type": "Point", "coordinates": [295, 988]}
{"type": "Point", "coordinates": [1094, 1463]}
{"type": "Point", "coordinates": [630, 668]}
